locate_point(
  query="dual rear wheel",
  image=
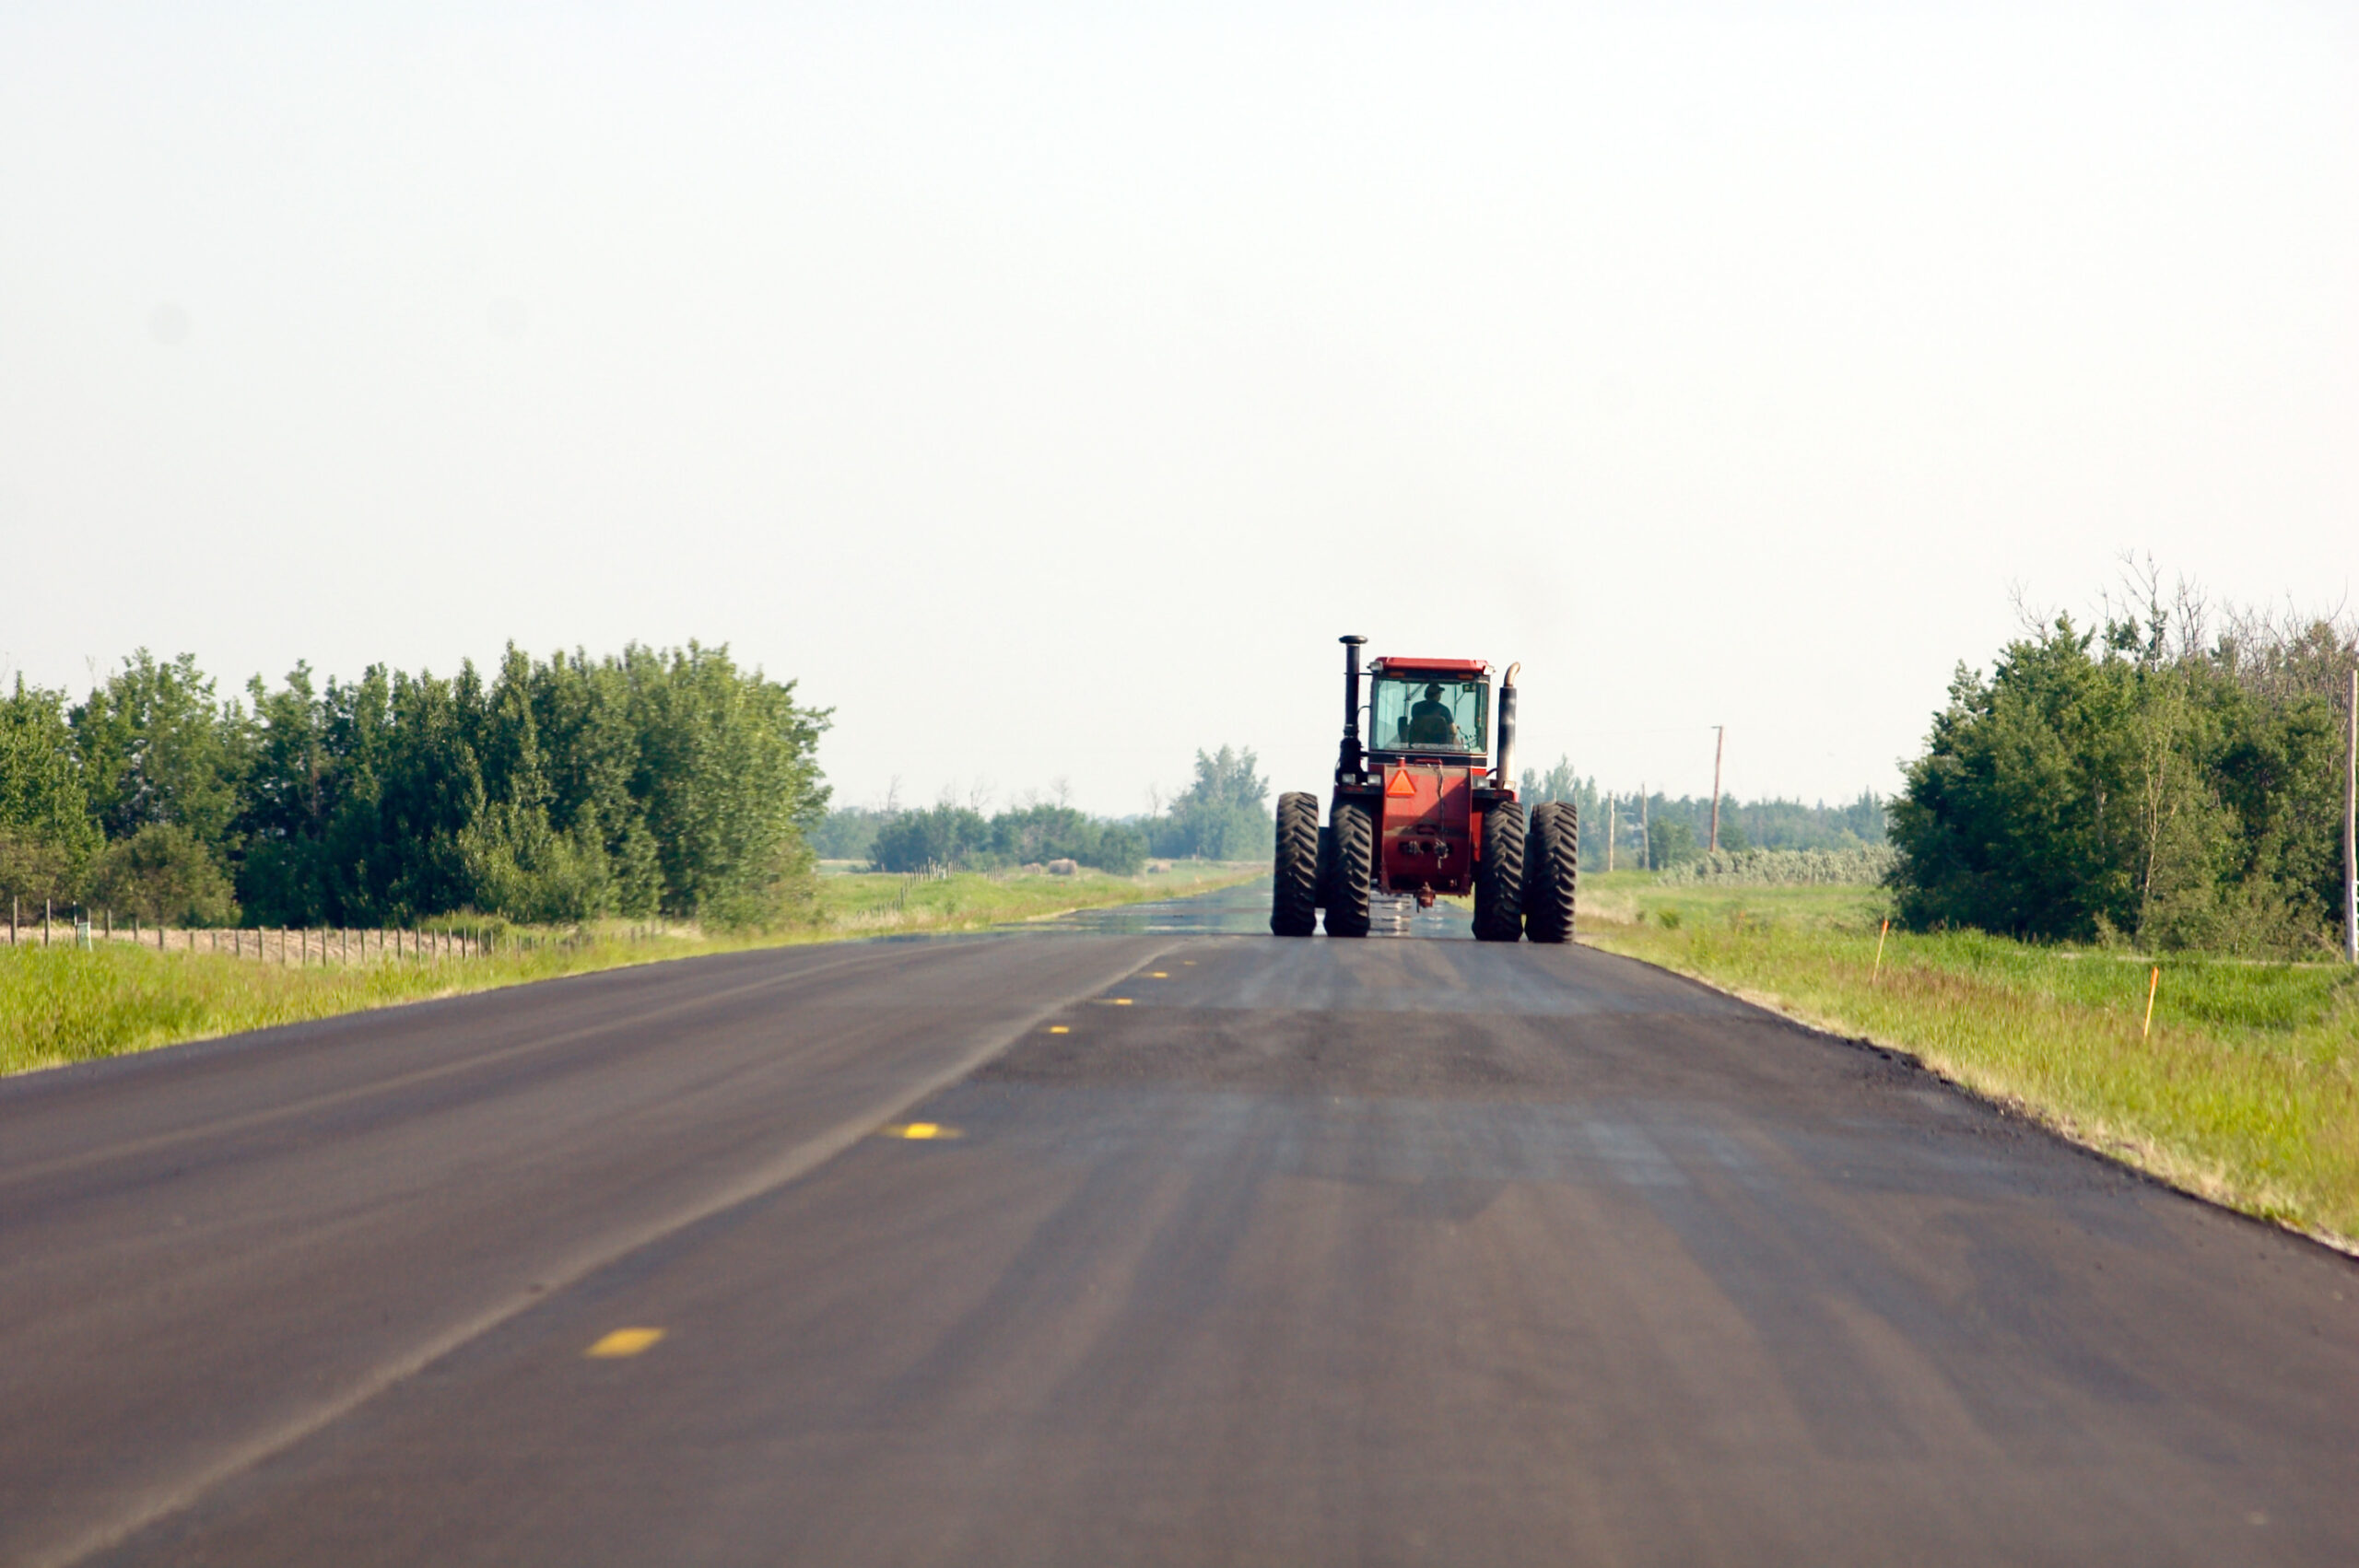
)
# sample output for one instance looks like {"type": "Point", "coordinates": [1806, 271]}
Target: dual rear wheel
{"type": "Point", "coordinates": [1552, 870]}
{"type": "Point", "coordinates": [1321, 869]}
{"type": "Point", "coordinates": [1498, 881]}
{"type": "Point", "coordinates": [1351, 868]}
{"type": "Point", "coordinates": [1294, 902]}
{"type": "Point", "coordinates": [1318, 868]}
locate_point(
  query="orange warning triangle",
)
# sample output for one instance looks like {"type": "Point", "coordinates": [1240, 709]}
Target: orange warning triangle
{"type": "Point", "coordinates": [1400, 784]}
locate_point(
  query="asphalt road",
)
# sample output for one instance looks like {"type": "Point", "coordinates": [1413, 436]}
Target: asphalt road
{"type": "Point", "coordinates": [1223, 1250]}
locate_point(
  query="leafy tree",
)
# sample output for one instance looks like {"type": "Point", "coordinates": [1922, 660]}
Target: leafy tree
{"type": "Point", "coordinates": [948, 835]}
{"type": "Point", "coordinates": [164, 875]}
{"type": "Point", "coordinates": [584, 708]}
{"type": "Point", "coordinates": [2022, 816]}
{"type": "Point", "coordinates": [848, 833]}
{"type": "Point", "coordinates": [298, 777]}
{"type": "Point", "coordinates": [1041, 832]}
{"type": "Point", "coordinates": [46, 834]}
{"type": "Point", "coordinates": [1222, 815]}
{"type": "Point", "coordinates": [154, 746]}
{"type": "Point", "coordinates": [1670, 841]}
{"type": "Point", "coordinates": [2140, 780]}
{"type": "Point", "coordinates": [730, 777]}
{"type": "Point", "coordinates": [155, 749]}
{"type": "Point", "coordinates": [521, 864]}
{"type": "Point", "coordinates": [955, 835]}
{"type": "Point", "coordinates": [552, 791]}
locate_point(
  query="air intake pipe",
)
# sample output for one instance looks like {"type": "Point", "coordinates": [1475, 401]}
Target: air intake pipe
{"type": "Point", "coordinates": [1505, 778]}
{"type": "Point", "coordinates": [1349, 761]}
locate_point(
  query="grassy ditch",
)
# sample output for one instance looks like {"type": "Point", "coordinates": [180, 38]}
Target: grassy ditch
{"type": "Point", "coordinates": [60, 1005]}
{"type": "Point", "coordinates": [2246, 1090]}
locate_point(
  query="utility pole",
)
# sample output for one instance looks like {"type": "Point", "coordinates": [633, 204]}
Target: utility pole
{"type": "Point", "coordinates": [1609, 803]}
{"type": "Point", "coordinates": [1720, 745]}
{"type": "Point", "coordinates": [1646, 834]}
{"type": "Point", "coordinates": [2350, 831]}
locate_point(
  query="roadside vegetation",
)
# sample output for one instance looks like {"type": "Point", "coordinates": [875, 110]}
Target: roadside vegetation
{"type": "Point", "coordinates": [2246, 1090]}
{"type": "Point", "coordinates": [2170, 777]}
{"type": "Point", "coordinates": [652, 783]}
{"type": "Point", "coordinates": [61, 1004]}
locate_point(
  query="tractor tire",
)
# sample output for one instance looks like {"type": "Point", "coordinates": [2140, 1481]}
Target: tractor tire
{"type": "Point", "coordinates": [1353, 868]}
{"type": "Point", "coordinates": [1293, 901]}
{"type": "Point", "coordinates": [1552, 872]}
{"type": "Point", "coordinates": [1498, 881]}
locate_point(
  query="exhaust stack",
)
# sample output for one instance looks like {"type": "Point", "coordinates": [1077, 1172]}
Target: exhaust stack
{"type": "Point", "coordinates": [1349, 761]}
{"type": "Point", "coordinates": [1504, 775]}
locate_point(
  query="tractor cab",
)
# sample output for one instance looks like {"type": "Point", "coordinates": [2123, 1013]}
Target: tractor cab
{"type": "Point", "coordinates": [1419, 809]}
{"type": "Point", "coordinates": [1430, 707]}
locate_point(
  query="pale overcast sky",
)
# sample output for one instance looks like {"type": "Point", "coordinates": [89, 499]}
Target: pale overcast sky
{"type": "Point", "coordinates": [1046, 387]}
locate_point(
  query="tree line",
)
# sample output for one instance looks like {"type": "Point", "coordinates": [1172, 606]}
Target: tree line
{"type": "Point", "coordinates": [653, 781]}
{"type": "Point", "coordinates": [1653, 830]}
{"type": "Point", "coordinates": [1222, 814]}
{"type": "Point", "coordinates": [2167, 776]}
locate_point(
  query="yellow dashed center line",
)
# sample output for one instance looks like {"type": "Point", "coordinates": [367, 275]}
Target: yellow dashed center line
{"type": "Point", "coordinates": [919, 1131]}
{"type": "Point", "coordinates": [624, 1342]}
{"type": "Point", "coordinates": [1158, 974]}
{"type": "Point", "coordinates": [1119, 1001]}
{"type": "Point", "coordinates": [1059, 1028]}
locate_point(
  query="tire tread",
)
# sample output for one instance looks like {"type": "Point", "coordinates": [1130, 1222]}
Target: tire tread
{"type": "Point", "coordinates": [1498, 881]}
{"type": "Point", "coordinates": [1294, 895]}
{"type": "Point", "coordinates": [1354, 864]}
{"type": "Point", "coordinates": [1552, 872]}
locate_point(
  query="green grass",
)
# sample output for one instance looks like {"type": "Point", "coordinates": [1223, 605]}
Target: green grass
{"type": "Point", "coordinates": [59, 1004]}
{"type": "Point", "coordinates": [2246, 1090]}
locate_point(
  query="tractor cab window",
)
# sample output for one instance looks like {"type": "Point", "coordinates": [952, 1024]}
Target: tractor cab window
{"type": "Point", "coordinates": [1411, 715]}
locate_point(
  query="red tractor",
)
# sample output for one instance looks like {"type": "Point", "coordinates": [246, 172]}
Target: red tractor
{"type": "Point", "coordinates": [1420, 811]}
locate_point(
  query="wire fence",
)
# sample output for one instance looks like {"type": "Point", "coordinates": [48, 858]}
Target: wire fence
{"type": "Point", "coordinates": [269, 944]}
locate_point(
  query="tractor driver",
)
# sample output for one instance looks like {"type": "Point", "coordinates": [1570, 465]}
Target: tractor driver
{"type": "Point", "coordinates": [1431, 722]}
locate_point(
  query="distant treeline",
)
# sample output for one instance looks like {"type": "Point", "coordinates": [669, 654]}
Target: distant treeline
{"type": "Point", "coordinates": [651, 781]}
{"type": "Point", "coordinates": [1222, 816]}
{"type": "Point", "coordinates": [1658, 831]}
{"type": "Point", "coordinates": [2161, 779]}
